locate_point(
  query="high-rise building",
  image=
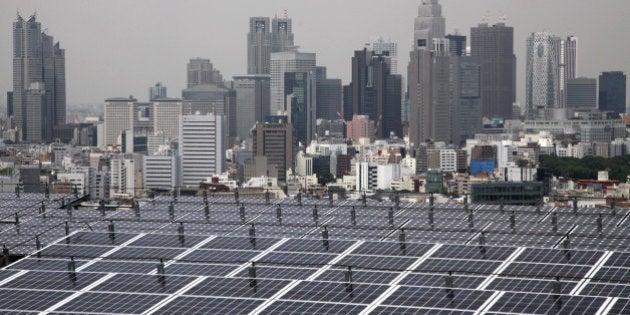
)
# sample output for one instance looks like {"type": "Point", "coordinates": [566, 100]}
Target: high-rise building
{"type": "Point", "coordinates": [434, 109]}
{"type": "Point", "coordinates": [281, 34]}
{"type": "Point", "coordinates": [456, 44]}
{"type": "Point", "coordinates": [202, 72]}
{"type": "Point", "coordinates": [493, 48]}
{"type": "Point", "coordinates": [582, 93]}
{"type": "Point", "coordinates": [9, 104]}
{"type": "Point", "coordinates": [158, 91]}
{"type": "Point", "coordinates": [612, 92]}
{"type": "Point", "coordinates": [37, 59]}
{"type": "Point", "coordinates": [300, 98]}
{"type": "Point", "coordinates": [571, 57]}
{"type": "Point", "coordinates": [376, 92]}
{"type": "Point", "coordinates": [543, 72]}
{"type": "Point", "coordinates": [252, 101]}
{"type": "Point", "coordinates": [348, 110]}
{"type": "Point", "coordinates": [328, 98]}
{"type": "Point", "coordinates": [282, 62]}
{"type": "Point", "coordinates": [118, 116]}
{"type": "Point", "coordinates": [202, 144]}
{"type": "Point", "coordinates": [387, 49]}
{"type": "Point", "coordinates": [259, 46]}
{"type": "Point", "coordinates": [470, 98]}
{"type": "Point", "coordinates": [36, 117]}
{"type": "Point", "coordinates": [275, 142]}
{"type": "Point", "coordinates": [166, 114]}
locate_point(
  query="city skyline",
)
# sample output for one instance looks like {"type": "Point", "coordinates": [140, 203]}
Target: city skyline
{"type": "Point", "coordinates": [120, 71]}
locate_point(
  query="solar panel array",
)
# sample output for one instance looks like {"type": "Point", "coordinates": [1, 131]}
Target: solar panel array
{"type": "Point", "coordinates": [246, 256]}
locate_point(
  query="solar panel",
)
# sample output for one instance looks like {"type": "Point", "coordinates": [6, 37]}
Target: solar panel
{"type": "Point", "coordinates": [385, 261]}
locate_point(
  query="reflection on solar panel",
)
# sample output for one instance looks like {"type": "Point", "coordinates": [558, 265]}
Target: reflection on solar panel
{"type": "Point", "coordinates": [219, 256]}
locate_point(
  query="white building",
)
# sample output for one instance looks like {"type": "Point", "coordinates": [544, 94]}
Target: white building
{"type": "Point", "coordinates": [448, 160]}
{"type": "Point", "coordinates": [118, 116]}
{"type": "Point", "coordinates": [366, 176]}
{"type": "Point", "coordinates": [281, 63]}
{"type": "Point", "coordinates": [386, 174]}
{"type": "Point", "coordinates": [202, 147]}
{"type": "Point", "coordinates": [77, 180]}
{"type": "Point", "coordinates": [379, 46]}
{"type": "Point", "coordinates": [161, 172]}
{"type": "Point", "coordinates": [122, 180]}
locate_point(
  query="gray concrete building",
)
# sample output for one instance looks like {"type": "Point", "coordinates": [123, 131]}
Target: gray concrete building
{"type": "Point", "coordinates": [281, 34]}
{"type": "Point", "coordinates": [543, 81]}
{"type": "Point", "coordinates": [37, 59]}
{"type": "Point", "coordinates": [157, 91]}
{"type": "Point", "coordinates": [493, 47]}
{"type": "Point", "coordinates": [259, 46]}
{"type": "Point", "coordinates": [252, 101]}
{"type": "Point", "coordinates": [202, 144]}
{"type": "Point", "coordinates": [201, 71]}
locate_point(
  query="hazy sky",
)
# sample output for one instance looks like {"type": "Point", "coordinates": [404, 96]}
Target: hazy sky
{"type": "Point", "coordinates": [120, 48]}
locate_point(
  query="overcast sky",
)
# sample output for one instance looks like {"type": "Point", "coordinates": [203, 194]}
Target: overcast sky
{"type": "Point", "coordinates": [120, 48]}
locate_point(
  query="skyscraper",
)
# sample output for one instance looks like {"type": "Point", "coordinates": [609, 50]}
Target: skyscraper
{"type": "Point", "coordinates": [202, 143]}
{"type": "Point", "coordinates": [328, 97]}
{"type": "Point", "coordinates": [202, 72]}
{"type": "Point", "coordinates": [282, 62]}
{"type": "Point", "coordinates": [259, 46]}
{"type": "Point", "coordinates": [493, 48]}
{"type": "Point", "coordinates": [118, 116]}
{"type": "Point", "coordinates": [612, 92]}
{"type": "Point", "coordinates": [582, 93]}
{"type": "Point", "coordinates": [9, 104]}
{"type": "Point", "coordinates": [571, 57]}
{"type": "Point", "coordinates": [281, 34]}
{"type": "Point", "coordinates": [37, 59]}
{"type": "Point", "coordinates": [456, 44]}
{"type": "Point", "coordinates": [469, 98]}
{"type": "Point", "coordinates": [434, 110]}
{"type": "Point", "coordinates": [300, 97]}
{"type": "Point", "coordinates": [252, 101]}
{"type": "Point", "coordinates": [158, 91]}
{"type": "Point", "coordinates": [386, 49]}
{"type": "Point", "coordinates": [543, 72]}
{"type": "Point", "coordinates": [376, 92]}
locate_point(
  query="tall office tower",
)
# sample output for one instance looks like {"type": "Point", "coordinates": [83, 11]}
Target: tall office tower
{"type": "Point", "coordinates": [158, 91]}
{"type": "Point", "coordinates": [281, 34]}
{"type": "Point", "coordinates": [275, 142]}
{"type": "Point", "coordinates": [37, 59]}
{"type": "Point", "coordinates": [259, 46]}
{"type": "Point", "coordinates": [543, 72]}
{"type": "Point", "coordinates": [118, 116]}
{"type": "Point", "coordinates": [376, 92]}
{"type": "Point", "coordinates": [9, 104]}
{"type": "Point", "coordinates": [469, 98]}
{"type": "Point", "coordinates": [387, 49]}
{"type": "Point", "coordinates": [348, 110]}
{"type": "Point", "coordinates": [612, 92]}
{"type": "Point", "coordinates": [202, 72]}
{"type": "Point", "coordinates": [252, 101]}
{"type": "Point", "coordinates": [568, 67]}
{"type": "Point", "coordinates": [35, 106]}
{"type": "Point", "coordinates": [433, 86]}
{"type": "Point", "coordinates": [166, 114]}
{"type": "Point", "coordinates": [456, 44]}
{"type": "Point", "coordinates": [582, 93]}
{"type": "Point", "coordinates": [300, 98]}
{"type": "Point", "coordinates": [493, 48]}
{"type": "Point", "coordinates": [202, 144]}
{"type": "Point", "coordinates": [281, 63]}
{"type": "Point", "coordinates": [571, 57]}
{"type": "Point", "coordinates": [328, 96]}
